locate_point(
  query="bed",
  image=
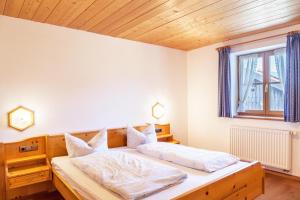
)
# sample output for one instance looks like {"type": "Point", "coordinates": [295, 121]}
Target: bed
{"type": "Point", "coordinates": [236, 182]}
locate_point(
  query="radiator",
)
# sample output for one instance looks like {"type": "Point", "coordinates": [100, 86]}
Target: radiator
{"type": "Point", "coordinates": [271, 147]}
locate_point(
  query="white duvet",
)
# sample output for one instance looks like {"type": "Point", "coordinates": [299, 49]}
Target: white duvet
{"type": "Point", "coordinates": [130, 176]}
{"type": "Point", "coordinates": [195, 158]}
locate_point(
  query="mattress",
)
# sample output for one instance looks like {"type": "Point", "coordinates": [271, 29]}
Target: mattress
{"type": "Point", "coordinates": [91, 190]}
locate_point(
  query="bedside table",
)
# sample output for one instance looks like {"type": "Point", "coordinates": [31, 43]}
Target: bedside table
{"type": "Point", "coordinates": [26, 171]}
{"type": "Point", "coordinates": [167, 138]}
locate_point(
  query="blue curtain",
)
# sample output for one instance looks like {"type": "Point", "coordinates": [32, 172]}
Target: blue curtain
{"type": "Point", "coordinates": [224, 82]}
{"type": "Point", "coordinates": [292, 83]}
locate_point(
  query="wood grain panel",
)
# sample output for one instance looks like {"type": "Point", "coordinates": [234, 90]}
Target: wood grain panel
{"type": "Point", "coordinates": [180, 10]}
{"type": "Point", "coordinates": [67, 10]}
{"type": "Point", "coordinates": [270, 18]}
{"type": "Point", "coordinates": [45, 9]}
{"type": "Point", "coordinates": [126, 15]}
{"type": "Point", "coordinates": [2, 6]}
{"type": "Point", "coordinates": [256, 15]}
{"type": "Point", "coordinates": [146, 16]}
{"type": "Point", "coordinates": [181, 24]}
{"type": "Point", "coordinates": [12, 149]}
{"type": "Point", "coordinates": [215, 29]}
{"type": "Point", "coordinates": [222, 26]}
{"type": "Point", "coordinates": [37, 188]}
{"type": "Point", "coordinates": [248, 183]}
{"type": "Point", "coordinates": [90, 12]}
{"type": "Point", "coordinates": [29, 8]}
{"type": "Point", "coordinates": [106, 12]}
{"type": "Point", "coordinates": [185, 26]}
{"type": "Point", "coordinates": [204, 17]}
{"type": "Point", "coordinates": [13, 7]}
{"type": "Point", "coordinates": [258, 23]}
{"type": "Point", "coordinates": [225, 38]}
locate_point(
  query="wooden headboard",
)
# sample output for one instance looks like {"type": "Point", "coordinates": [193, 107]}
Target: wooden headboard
{"type": "Point", "coordinates": [12, 150]}
{"type": "Point", "coordinates": [56, 145]}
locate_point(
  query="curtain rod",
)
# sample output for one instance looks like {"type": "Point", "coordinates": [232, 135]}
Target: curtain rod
{"type": "Point", "coordinates": [273, 36]}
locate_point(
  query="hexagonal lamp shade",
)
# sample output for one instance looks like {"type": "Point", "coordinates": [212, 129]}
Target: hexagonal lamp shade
{"type": "Point", "coordinates": [158, 110]}
{"type": "Point", "coordinates": [20, 118]}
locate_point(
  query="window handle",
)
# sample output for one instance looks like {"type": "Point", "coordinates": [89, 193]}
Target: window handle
{"type": "Point", "coordinates": [266, 88]}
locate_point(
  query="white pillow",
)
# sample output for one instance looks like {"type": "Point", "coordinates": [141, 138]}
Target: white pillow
{"type": "Point", "coordinates": [150, 134]}
{"type": "Point", "coordinates": [77, 147]}
{"type": "Point", "coordinates": [136, 138]}
{"type": "Point", "coordinates": [99, 141]}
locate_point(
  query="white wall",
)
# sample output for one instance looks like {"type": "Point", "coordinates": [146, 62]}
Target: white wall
{"type": "Point", "coordinates": [205, 129]}
{"type": "Point", "coordinates": [76, 80]}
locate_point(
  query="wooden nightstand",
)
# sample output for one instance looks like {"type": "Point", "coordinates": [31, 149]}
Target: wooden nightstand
{"type": "Point", "coordinates": [26, 168]}
{"type": "Point", "coordinates": [27, 171]}
{"type": "Point", "coordinates": [164, 133]}
{"type": "Point", "coordinates": [167, 138]}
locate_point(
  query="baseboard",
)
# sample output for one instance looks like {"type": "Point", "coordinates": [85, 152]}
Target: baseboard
{"type": "Point", "coordinates": [284, 175]}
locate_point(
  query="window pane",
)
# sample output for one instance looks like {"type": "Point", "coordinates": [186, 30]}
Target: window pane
{"type": "Point", "coordinates": [251, 83]}
{"type": "Point", "coordinates": [254, 100]}
{"type": "Point", "coordinates": [274, 76]}
{"type": "Point", "coordinates": [276, 97]}
{"type": "Point", "coordinates": [276, 79]}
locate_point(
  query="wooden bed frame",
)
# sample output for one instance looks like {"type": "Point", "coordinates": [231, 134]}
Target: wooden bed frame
{"type": "Point", "coordinates": [246, 184]}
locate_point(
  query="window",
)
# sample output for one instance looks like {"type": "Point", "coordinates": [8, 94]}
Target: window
{"type": "Point", "coordinates": [261, 78]}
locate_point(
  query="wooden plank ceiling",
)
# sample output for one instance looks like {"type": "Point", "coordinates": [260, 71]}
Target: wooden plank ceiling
{"type": "Point", "coordinates": [180, 24]}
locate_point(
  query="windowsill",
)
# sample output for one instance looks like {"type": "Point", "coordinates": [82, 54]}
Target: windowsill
{"type": "Point", "coordinates": [259, 117]}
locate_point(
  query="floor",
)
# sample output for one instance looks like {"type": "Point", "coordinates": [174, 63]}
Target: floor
{"type": "Point", "coordinates": [48, 196]}
{"type": "Point", "coordinates": [277, 188]}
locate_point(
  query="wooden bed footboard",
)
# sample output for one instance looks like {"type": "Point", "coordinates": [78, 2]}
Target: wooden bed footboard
{"type": "Point", "coordinates": [246, 184]}
{"type": "Point", "coordinates": [64, 188]}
